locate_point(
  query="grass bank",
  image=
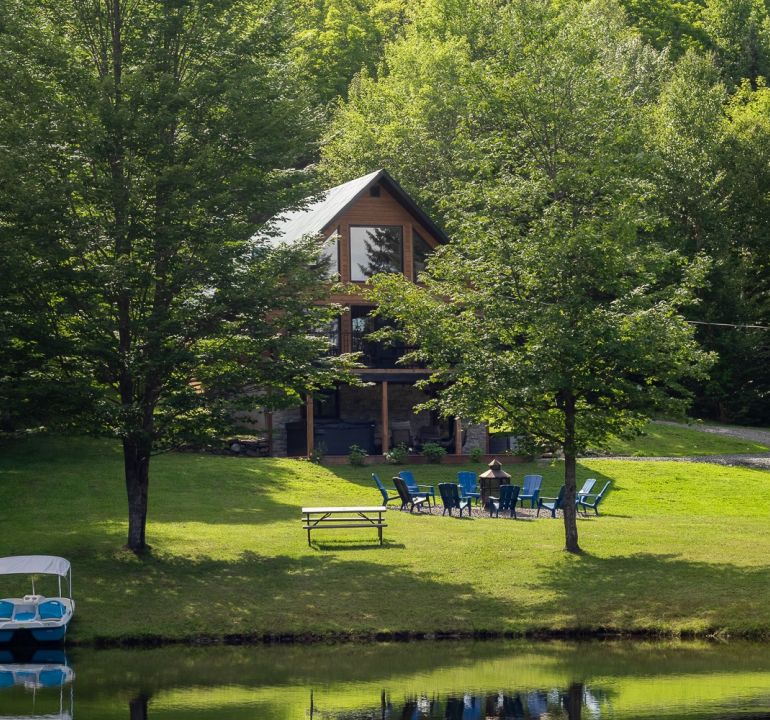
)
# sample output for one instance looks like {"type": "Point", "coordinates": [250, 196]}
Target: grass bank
{"type": "Point", "coordinates": [661, 440]}
{"type": "Point", "coordinates": [682, 549]}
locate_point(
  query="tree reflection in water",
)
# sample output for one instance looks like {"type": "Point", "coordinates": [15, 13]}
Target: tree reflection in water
{"type": "Point", "coordinates": [554, 703]}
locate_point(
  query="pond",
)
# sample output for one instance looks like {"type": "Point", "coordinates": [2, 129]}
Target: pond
{"type": "Point", "coordinates": [461, 681]}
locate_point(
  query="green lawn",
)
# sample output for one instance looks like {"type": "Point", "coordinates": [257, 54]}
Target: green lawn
{"type": "Point", "coordinates": [682, 548]}
{"type": "Point", "coordinates": [660, 440]}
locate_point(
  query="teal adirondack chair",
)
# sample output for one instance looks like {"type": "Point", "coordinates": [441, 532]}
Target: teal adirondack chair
{"type": "Point", "coordinates": [385, 497]}
{"type": "Point", "coordinates": [588, 485]}
{"type": "Point", "coordinates": [531, 489]}
{"type": "Point", "coordinates": [509, 495]}
{"type": "Point", "coordinates": [588, 502]}
{"type": "Point", "coordinates": [450, 498]}
{"type": "Point", "coordinates": [552, 503]}
{"type": "Point", "coordinates": [469, 487]}
{"type": "Point", "coordinates": [428, 491]}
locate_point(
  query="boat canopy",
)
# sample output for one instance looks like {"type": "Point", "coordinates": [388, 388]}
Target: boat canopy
{"type": "Point", "coordinates": [34, 565]}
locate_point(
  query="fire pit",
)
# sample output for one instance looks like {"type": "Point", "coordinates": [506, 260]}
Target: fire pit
{"type": "Point", "coordinates": [491, 480]}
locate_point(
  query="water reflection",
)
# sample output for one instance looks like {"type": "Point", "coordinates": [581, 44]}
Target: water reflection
{"type": "Point", "coordinates": [36, 683]}
{"type": "Point", "coordinates": [531, 705]}
{"type": "Point", "coordinates": [452, 681]}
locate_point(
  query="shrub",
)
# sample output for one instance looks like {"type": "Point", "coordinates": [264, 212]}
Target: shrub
{"type": "Point", "coordinates": [433, 452]}
{"type": "Point", "coordinates": [397, 455]}
{"type": "Point", "coordinates": [357, 455]}
{"type": "Point", "coordinates": [318, 454]}
{"type": "Point", "coordinates": [476, 454]}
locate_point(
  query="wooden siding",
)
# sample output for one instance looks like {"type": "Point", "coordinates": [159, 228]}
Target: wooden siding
{"type": "Point", "coordinates": [369, 210]}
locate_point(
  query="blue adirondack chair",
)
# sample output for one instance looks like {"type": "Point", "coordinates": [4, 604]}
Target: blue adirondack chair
{"type": "Point", "coordinates": [428, 490]}
{"type": "Point", "coordinates": [552, 503]}
{"type": "Point", "coordinates": [531, 489]}
{"type": "Point", "coordinates": [385, 497]}
{"type": "Point", "coordinates": [509, 495]}
{"type": "Point", "coordinates": [450, 497]}
{"type": "Point", "coordinates": [592, 500]}
{"type": "Point", "coordinates": [407, 498]}
{"type": "Point", "coordinates": [468, 484]}
{"type": "Point", "coordinates": [588, 485]}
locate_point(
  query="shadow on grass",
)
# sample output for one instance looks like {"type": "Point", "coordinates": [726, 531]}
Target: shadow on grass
{"type": "Point", "coordinates": [652, 590]}
{"type": "Point", "coordinates": [356, 545]}
{"type": "Point", "coordinates": [315, 594]}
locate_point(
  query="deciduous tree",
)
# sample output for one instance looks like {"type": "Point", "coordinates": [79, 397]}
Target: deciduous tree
{"type": "Point", "coordinates": [144, 144]}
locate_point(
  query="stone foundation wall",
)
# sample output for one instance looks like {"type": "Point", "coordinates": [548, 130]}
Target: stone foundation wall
{"type": "Point", "coordinates": [475, 437]}
{"type": "Point", "coordinates": [280, 418]}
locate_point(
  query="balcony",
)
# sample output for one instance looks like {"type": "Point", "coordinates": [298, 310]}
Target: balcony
{"type": "Point", "coordinates": [373, 354]}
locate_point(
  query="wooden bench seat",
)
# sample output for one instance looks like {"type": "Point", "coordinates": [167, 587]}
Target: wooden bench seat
{"type": "Point", "coordinates": [367, 516]}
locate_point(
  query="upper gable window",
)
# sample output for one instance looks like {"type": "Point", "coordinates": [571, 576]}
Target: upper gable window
{"type": "Point", "coordinates": [421, 253]}
{"type": "Point", "coordinates": [331, 252]}
{"type": "Point", "coordinates": [375, 249]}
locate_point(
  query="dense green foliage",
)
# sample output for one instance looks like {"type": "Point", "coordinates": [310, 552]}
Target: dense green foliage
{"type": "Point", "coordinates": [700, 160]}
{"type": "Point", "coordinates": [229, 554]}
{"type": "Point", "coordinates": [143, 144]}
{"type": "Point", "coordinates": [553, 314]}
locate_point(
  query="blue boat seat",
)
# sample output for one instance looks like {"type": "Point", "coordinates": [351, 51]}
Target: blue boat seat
{"type": "Point", "coordinates": [51, 610]}
{"type": "Point", "coordinates": [6, 610]}
{"type": "Point", "coordinates": [51, 678]}
{"type": "Point", "coordinates": [21, 616]}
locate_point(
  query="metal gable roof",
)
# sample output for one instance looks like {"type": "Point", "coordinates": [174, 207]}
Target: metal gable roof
{"type": "Point", "coordinates": [322, 210]}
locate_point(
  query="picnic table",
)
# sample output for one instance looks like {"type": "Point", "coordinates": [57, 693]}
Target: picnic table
{"type": "Point", "coordinates": [365, 516]}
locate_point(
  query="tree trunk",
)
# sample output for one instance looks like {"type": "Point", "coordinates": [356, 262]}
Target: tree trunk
{"type": "Point", "coordinates": [570, 471]}
{"type": "Point", "coordinates": [136, 460]}
{"type": "Point", "coordinates": [138, 707]}
{"type": "Point", "coordinates": [573, 701]}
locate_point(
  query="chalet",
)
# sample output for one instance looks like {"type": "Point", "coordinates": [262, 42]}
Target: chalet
{"type": "Point", "coordinates": [369, 225]}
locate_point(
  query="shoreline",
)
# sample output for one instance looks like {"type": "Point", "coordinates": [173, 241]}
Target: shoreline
{"type": "Point", "coordinates": [410, 636]}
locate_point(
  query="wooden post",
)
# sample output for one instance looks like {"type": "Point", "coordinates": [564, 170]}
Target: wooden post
{"type": "Point", "coordinates": [309, 424]}
{"type": "Point", "coordinates": [385, 421]}
{"type": "Point", "coordinates": [458, 436]}
{"type": "Point", "coordinates": [269, 425]}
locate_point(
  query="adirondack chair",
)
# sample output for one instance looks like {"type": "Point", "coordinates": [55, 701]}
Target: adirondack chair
{"type": "Point", "coordinates": [509, 495]}
{"type": "Point", "coordinates": [469, 487]}
{"type": "Point", "coordinates": [450, 497]}
{"type": "Point", "coordinates": [552, 503]}
{"type": "Point", "coordinates": [407, 498]}
{"type": "Point", "coordinates": [587, 502]}
{"type": "Point", "coordinates": [531, 489]}
{"type": "Point", "coordinates": [415, 489]}
{"type": "Point", "coordinates": [385, 497]}
{"type": "Point", "coordinates": [588, 485]}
